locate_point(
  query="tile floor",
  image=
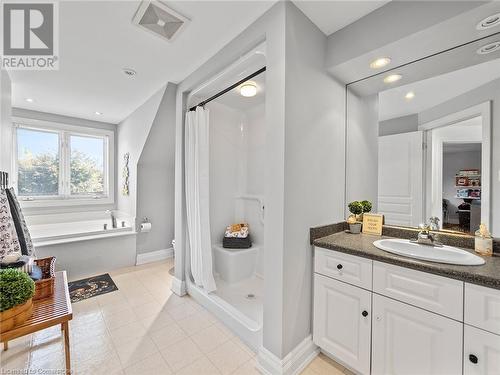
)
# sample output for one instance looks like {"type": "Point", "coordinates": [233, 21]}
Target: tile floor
{"type": "Point", "coordinates": [142, 329]}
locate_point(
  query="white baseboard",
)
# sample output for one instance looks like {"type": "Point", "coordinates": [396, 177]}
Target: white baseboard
{"type": "Point", "coordinates": [294, 362]}
{"type": "Point", "coordinates": [154, 256]}
{"type": "Point", "coordinates": [178, 287]}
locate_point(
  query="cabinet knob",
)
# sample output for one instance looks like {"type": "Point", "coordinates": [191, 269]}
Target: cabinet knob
{"type": "Point", "coordinates": [364, 313]}
{"type": "Point", "coordinates": [339, 266]}
{"type": "Point", "coordinates": [473, 358]}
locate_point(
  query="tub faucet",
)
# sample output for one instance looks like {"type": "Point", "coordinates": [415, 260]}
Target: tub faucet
{"type": "Point", "coordinates": [113, 218]}
{"type": "Point", "coordinates": [425, 237]}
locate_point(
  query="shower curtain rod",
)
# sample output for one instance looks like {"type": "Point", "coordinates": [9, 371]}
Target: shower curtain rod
{"type": "Point", "coordinates": [201, 104]}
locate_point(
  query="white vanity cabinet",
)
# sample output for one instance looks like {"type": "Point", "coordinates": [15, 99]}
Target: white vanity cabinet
{"type": "Point", "coordinates": [342, 321]}
{"type": "Point", "coordinates": [481, 352]}
{"type": "Point", "coordinates": [378, 318]}
{"type": "Point", "coordinates": [409, 340]}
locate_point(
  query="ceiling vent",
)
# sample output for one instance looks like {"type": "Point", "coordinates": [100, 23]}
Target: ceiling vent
{"type": "Point", "coordinates": [157, 18]}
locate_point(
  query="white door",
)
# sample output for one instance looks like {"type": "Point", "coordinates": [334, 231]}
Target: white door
{"type": "Point", "coordinates": [400, 178]}
{"type": "Point", "coordinates": [481, 352]}
{"type": "Point", "coordinates": [342, 322]}
{"type": "Point", "coordinates": [407, 340]}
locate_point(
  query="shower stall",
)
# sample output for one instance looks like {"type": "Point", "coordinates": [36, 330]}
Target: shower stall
{"type": "Point", "coordinates": [237, 136]}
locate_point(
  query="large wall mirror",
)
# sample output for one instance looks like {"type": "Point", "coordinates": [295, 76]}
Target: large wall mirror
{"type": "Point", "coordinates": [423, 139]}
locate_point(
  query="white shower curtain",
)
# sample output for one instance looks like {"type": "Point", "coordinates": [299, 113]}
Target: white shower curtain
{"type": "Point", "coordinates": [198, 198]}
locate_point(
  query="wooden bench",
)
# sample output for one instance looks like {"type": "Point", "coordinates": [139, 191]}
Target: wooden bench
{"type": "Point", "coordinates": [47, 312]}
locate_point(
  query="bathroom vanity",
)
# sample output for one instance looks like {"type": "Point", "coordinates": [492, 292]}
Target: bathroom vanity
{"type": "Point", "coordinates": [380, 313]}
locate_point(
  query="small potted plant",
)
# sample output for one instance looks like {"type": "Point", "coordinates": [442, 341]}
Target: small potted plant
{"type": "Point", "coordinates": [367, 207]}
{"type": "Point", "coordinates": [356, 209]}
{"type": "Point", "coordinates": [16, 292]}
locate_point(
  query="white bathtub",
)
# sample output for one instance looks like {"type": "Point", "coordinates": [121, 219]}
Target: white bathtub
{"type": "Point", "coordinates": [58, 232]}
{"type": "Point", "coordinates": [83, 248]}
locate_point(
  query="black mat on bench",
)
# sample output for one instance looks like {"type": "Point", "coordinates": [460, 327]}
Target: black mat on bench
{"type": "Point", "coordinates": [91, 287]}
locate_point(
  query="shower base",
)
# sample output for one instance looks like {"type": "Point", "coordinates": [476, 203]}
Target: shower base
{"type": "Point", "coordinates": [239, 306]}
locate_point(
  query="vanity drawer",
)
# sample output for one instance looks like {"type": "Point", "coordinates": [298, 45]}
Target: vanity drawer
{"type": "Point", "coordinates": [431, 292]}
{"type": "Point", "coordinates": [348, 268]}
{"type": "Point", "coordinates": [482, 307]}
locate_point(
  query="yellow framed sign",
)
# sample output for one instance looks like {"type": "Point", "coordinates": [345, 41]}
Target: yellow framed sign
{"type": "Point", "coordinates": [372, 224]}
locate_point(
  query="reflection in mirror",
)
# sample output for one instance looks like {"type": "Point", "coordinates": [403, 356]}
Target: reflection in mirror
{"type": "Point", "coordinates": [426, 148]}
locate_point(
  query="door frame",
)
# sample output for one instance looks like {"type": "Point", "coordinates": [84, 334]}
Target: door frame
{"type": "Point", "coordinates": [482, 110]}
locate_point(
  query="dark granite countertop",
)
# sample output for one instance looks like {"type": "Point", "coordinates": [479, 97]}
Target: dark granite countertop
{"type": "Point", "coordinates": [487, 275]}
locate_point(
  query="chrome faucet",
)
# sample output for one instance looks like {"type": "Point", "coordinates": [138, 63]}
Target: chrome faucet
{"type": "Point", "coordinates": [425, 237]}
{"type": "Point", "coordinates": [113, 218]}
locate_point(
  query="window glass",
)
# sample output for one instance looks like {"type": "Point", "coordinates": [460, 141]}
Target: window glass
{"type": "Point", "coordinates": [38, 162]}
{"type": "Point", "coordinates": [87, 165]}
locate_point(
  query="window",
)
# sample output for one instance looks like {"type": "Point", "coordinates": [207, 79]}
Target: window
{"type": "Point", "coordinates": [37, 162]}
{"type": "Point", "coordinates": [57, 162]}
{"type": "Point", "coordinates": [87, 165]}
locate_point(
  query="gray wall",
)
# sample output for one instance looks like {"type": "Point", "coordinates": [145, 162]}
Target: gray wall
{"type": "Point", "coordinates": [313, 166]}
{"type": "Point", "coordinates": [401, 19]}
{"type": "Point", "coordinates": [155, 175]}
{"type": "Point", "coordinates": [271, 28]}
{"type": "Point", "coordinates": [132, 135]}
{"type": "Point", "coordinates": [304, 152]}
{"type": "Point", "coordinates": [398, 125]}
{"type": "Point", "coordinates": [488, 92]}
{"type": "Point", "coordinates": [362, 149]}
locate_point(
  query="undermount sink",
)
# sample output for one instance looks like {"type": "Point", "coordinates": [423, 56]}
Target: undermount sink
{"type": "Point", "coordinates": [444, 254]}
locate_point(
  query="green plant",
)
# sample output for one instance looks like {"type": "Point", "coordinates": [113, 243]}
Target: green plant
{"type": "Point", "coordinates": [355, 208]}
{"type": "Point", "coordinates": [367, 206]}
{"type": "Point", "coordinates": [16, 287]}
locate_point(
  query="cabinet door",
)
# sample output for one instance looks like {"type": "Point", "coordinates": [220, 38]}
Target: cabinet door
{"type": "Point", "coordinates": [342, 322]}
{"type": "Point", "coordinates": [407, 340]}
{"type": "Point", "coordinates": [481, 352]}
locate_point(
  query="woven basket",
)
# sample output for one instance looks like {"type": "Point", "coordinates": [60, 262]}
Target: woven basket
{"type": "Point", "coordinates": [16, 315]}
{"type": "Point", "coordinates": [45, 286]}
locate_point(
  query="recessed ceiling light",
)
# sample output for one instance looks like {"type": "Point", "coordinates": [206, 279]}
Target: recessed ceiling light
{"type": "Point", "coordinates": [248, 89]}
{"type": "Point", "coordinates": [490, 21]}
{"type": "Point", "coordinates": [489, 48]}
{"type": "Point", "coordinates": [410, 95]}
{"type": "Point", "coordinates": [29, 100]}
{"type": "Point", "coordinates": [98, 113]}
{"type": "Point", "coordinates": [393, 78]}
{"type": "Point", "coordinates": [129, 72]}
{"type": "Point", "coordinates": [380, 63]}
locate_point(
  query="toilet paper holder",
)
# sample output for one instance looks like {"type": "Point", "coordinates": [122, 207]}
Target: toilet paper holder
{"type": "Point", "coordinates": [145, 225]}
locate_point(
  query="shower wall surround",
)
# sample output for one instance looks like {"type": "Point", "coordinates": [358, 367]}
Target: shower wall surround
{"type": "Point", "coordinates": [237, 141]}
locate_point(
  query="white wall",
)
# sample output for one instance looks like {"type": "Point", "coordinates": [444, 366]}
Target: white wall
{"type": "Point", "coordinates": [488, 92]}
{"type": "Point", "coordinates": [237, 157]}
{"type": "Point", "coordinates": [132, 135]}
{"type": "Point", "coordinates": [226, 166]}
{"type": "Point", "coordinates": [68, 120]}
{"type": "Point", "coordinates": [452, 163]}
{"type": "Point", "coordinates": [255, 151]}
{"type": "Point", "coordinates": [155, 172]}
{"type": "Point", "coordinates": [5, 122]}
{"type": "Point", "coordinates": [362, 149]}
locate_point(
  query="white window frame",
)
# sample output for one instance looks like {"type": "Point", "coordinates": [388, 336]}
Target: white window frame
{"type": "Point", "coordinates": [65, 198]}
